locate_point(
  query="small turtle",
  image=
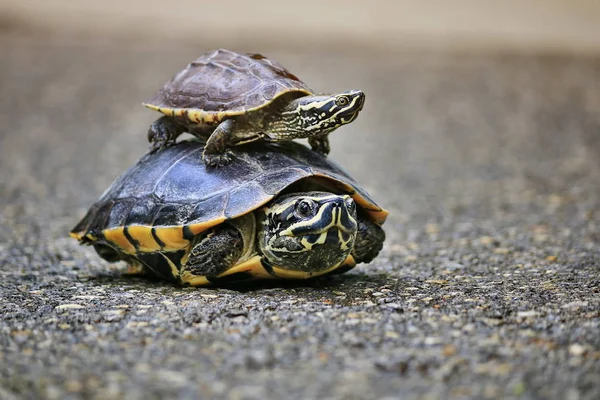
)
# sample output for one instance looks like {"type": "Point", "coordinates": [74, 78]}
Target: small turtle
{"type": "Point", "coordinates": [231, 99]}
{"type": "Point", "coordinates": [280, 211]}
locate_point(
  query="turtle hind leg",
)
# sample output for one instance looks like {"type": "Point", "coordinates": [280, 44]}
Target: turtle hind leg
{"type": "Point", "coordinates": [107, 253]}
{"type": "Point", "coordinates": [136, 268]}
{"type": "Point", "coordinates": [213, 253]}
{"type": "Point", "coordinates": [216, 152]}
{"type": "Point", "coordinates": [163, 132]}
{"type": "Point", "coordinates": [369, 241]}
{"type": "Point", "coordinates": [320, 144]}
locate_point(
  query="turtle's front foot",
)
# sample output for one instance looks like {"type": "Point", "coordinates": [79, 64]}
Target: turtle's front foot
{"type": "Point", "coordinates": [369, 241]}
{"type": "Point", "coordinates": [216, 151]}
{"type": "Point", "coordinates": [217, 160]}
{"type": "Point", "coordinates": [215, 253]}
{"type": "Point", "coordinates": [162, 133]}
{"type": "Point", "coordinates": [320, 144]}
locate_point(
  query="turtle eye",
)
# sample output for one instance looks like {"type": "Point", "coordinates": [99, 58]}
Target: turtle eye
{"type": "Point", "coordinates": [342, 101]}
{"type": "Point", "coordinates": [304, 208]}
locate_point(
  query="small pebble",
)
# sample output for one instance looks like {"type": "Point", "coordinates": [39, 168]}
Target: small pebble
{"type": "Point", "coordinates": [69, 307]}
{"type": "Point", "coordinates": [577, 350]}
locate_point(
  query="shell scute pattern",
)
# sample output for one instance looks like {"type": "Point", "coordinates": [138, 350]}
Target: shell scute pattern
{"type": "Point", "coordinates": [198, 200]}
{"type": "Point", "coordinates": [223, 81]}
{"type": "Point", "coordinates": [136, 213]}
{"type": "Point", "coordinates": [121, 211]}
{"type": "Point", "coordinates": [99, 218]}
{"type": "Point", "coordinates": [209, 209]}
{"type": "Point", "coordinates": [172, 214]}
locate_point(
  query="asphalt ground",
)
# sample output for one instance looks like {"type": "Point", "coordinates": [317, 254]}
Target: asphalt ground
{"type": "Point", "coordinates": [488, 285]}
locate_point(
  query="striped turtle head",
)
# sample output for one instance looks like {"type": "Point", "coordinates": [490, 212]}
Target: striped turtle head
{"type": "Point", "coordinates": [308, 232]}
{"type": "Point", "coordinates": [319, 115]}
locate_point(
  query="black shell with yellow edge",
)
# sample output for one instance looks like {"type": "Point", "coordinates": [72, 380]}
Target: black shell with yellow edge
{"type": "Point", "coordinates": [166, 198]}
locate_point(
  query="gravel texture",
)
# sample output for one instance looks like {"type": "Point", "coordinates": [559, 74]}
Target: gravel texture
{"type": "Point", "coordinates": [488, 285]}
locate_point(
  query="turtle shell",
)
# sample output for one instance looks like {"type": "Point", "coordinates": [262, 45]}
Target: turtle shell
{"type": "Point", "coordinates": [168, 197]}
{"type": "Point", "coordinates": [223, 83]}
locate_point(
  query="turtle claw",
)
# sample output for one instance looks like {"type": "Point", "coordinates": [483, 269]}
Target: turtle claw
{"type": "Point", "coordinates": [218, 160]}
{"type": "Point", "coordinates": [158, 140]}
{"type": "Point", "coordinates": [321, 152]}
{"type": "Point", "coordinates": [159, 145]}
{"type": "Point", "coordinates": [320, 145]}
{"type": "Point", "coordinates": [155, 146]}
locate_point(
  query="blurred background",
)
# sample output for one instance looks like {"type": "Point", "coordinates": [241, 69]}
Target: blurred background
{"type": "Point", "coordinates": [560, 25]}
{"type": "Point", "coordinates": [471, 108]}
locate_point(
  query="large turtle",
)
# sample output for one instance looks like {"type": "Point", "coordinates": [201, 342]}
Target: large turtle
{"type": "Point", "coordinates": [280, 211]}
{"type": "Point", "coordinates": [230, 98]}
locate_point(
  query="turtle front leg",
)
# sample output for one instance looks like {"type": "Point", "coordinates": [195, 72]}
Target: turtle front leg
{"type": "Point", "coordinates": [320, 144]}
{"type": "Point", "coordinates": [369, 240]}
{"type": "Point", "coordinates": [216, 151]}
{"type": "Point", "coordinates": [163, 132]}
{"type": "Point", "coordinates": [214, 253]}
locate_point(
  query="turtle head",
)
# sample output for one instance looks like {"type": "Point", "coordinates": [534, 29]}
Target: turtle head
{"type": "Point", "coordinates": [308, 232]}
{"type": "Point", "coordinates": [321, 114]}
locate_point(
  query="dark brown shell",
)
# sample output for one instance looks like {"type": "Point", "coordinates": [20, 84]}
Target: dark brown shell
{"type": "Point", "coordinates": [225, 81]}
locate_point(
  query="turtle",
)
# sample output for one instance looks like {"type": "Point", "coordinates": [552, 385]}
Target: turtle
{"type": "Point", "coordinates": [230, 98]}
{"type": "Point", "coordinates": [280, 211]}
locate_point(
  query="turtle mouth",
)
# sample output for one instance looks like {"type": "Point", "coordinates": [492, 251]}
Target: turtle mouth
{"type": "Point", "coordinates": [360, 101]}
{"type": "Point", "coordinates": [348, 115]}
{"type": "Point", "coordinates": [332, 238]}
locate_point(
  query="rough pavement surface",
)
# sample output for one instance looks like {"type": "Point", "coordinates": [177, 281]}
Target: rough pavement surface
{"type": "Point", "coordinates": [488, 286]}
